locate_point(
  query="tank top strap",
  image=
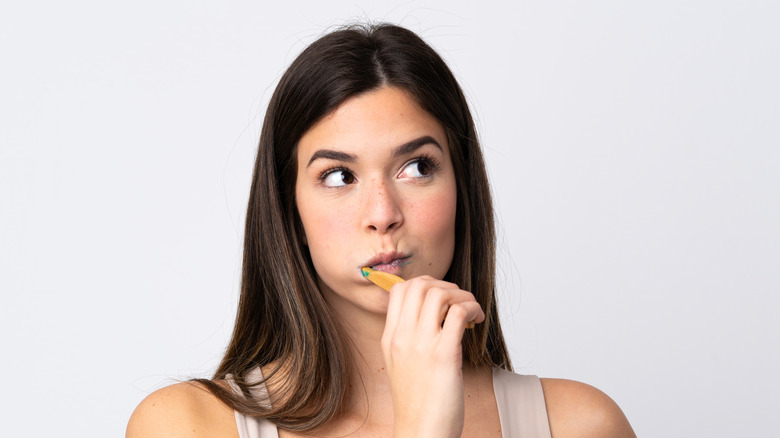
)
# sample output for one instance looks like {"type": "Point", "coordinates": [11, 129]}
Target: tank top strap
{"type": "Point", "coordinates": [253, 427]}
{"type": "Point", "coordinates": [521, 407]}
{"type": "Point", "coordinates": [520, 400]}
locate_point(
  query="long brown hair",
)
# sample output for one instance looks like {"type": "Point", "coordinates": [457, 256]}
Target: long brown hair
{"type": "Point", "coordinates": [283, 320]}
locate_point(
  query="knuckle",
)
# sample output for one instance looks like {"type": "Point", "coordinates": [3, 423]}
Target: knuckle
{"type": "Point", "coordinates": [458, 311]}
{"type": "Point", "coordinates": [416, 281]}
{"type": "Point", "coordinates": [451, 285]}
{"type": "Point", "coordinates": [437, 294]}
{"type": "Point", "coordinates": [397, 344]}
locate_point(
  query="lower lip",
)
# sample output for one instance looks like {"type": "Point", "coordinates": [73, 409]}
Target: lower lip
{"type": "Point", "coordinates": [393, 267]}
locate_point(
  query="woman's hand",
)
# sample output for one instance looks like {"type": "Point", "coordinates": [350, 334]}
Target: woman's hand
{"type": "Point", "coordinates": [423, 357]}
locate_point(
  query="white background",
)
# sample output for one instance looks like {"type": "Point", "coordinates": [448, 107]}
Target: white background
{"type": "Point", "coordinates": [633, 147]}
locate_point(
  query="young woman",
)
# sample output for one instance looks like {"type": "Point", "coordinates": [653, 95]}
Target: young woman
{"type": "Point", "coordinates": [368, 157]}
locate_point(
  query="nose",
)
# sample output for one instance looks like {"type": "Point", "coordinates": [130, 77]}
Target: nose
{"type": "Point", "coordinates": [381, 212]}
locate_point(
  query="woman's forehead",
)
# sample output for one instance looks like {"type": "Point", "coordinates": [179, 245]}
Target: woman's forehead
{"type": "Point", "coordinates": [381, 119]}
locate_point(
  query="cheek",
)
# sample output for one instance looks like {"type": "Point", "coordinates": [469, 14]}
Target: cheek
{"type": "Point", "coordinates": [435, 215]}
{"type": "Point", "coordinates": [326, 228]}
{"type": "Point", "coordinates": [440, 215]}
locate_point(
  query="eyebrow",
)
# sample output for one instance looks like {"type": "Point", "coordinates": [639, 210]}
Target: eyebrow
{"type": "Point", "coordinates": [404, 149]}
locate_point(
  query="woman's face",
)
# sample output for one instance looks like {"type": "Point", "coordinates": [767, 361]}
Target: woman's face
{"type": "Point", "coordinates": [375, 187]}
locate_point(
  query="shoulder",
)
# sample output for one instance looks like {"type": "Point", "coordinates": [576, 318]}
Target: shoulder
{"type": "Point", "coordinates": [578, 410]}
{"type": "Point", "coordinates": [185, 409]}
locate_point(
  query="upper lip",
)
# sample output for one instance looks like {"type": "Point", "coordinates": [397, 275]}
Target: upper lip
{"type": "Point", "coordinates": [385, 258]}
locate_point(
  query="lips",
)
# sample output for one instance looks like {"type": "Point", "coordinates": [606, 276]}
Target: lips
{"type": "Point", "coordinates": [388, 262]}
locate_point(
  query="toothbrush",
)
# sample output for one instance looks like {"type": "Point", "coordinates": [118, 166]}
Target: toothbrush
{"type": "Point", "coordinates": [386, 281]}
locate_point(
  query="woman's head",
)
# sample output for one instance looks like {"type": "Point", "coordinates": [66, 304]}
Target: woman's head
{"type": "Point", "coordinates": [282, 313]}
{"type": "Point", "coordinates": [354, 61]}
{"type": "Point", "coordinates": [375, 187]}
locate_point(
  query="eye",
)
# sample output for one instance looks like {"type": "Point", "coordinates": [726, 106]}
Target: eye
{"type": "Point", "coordinates": [422, 167]}
{"type": "Point", "coordinates": [337, 178]}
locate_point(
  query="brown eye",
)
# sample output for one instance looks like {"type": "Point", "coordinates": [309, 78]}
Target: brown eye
{"type": "Point", "coordinates": [423, 168]}
{"type": "Point", "coordinates": [338, 178]}
{"type": "Point", "coordinates": [419, 168]}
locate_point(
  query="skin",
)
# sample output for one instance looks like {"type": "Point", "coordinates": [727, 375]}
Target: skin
{"type": "Point", "coordinates": [375, 199]}
{"type": "Point", "coordinates": [382, 199]}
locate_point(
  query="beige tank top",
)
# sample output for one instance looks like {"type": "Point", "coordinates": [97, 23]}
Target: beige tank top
{"type": "Point", "coordinates": [520, 401]}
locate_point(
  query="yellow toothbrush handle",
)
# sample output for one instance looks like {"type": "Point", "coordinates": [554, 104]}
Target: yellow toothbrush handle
{"type": "Point", "coordinates": [381, 279]}
{"type": "Point", "coordinates": [386, 281]}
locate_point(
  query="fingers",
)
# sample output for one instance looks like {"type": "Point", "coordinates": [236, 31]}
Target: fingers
{"type": "Point", "coordinates": [458, 317]}
{"type": "Point", "coordinates": [422, 303]}
{"type": "Point", "coordinates": [424, 358]}
{"type": "Point", "coordinates": [413, 302]}
{"type": "Point", "coordinates": [439, 301]}
{"type": "Point", "coordinates": [394, 305]}
{"type": "Point", "coordinates": [405, 301]}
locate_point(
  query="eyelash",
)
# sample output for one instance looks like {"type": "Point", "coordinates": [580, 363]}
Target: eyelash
{"type": "Point", "coordinates": [432, 162]}
{"type": "Point", "coordinates": [424, 158]}
{"type": "Point", "coordinates": [330, 170]}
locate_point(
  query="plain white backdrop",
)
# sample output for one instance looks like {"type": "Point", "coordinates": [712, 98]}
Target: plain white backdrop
{"type": "Point", "coordinates": [634, 150]}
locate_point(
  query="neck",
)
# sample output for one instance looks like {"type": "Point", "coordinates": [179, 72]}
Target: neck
{"type": "Point", "coordinates": [369, 378]}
